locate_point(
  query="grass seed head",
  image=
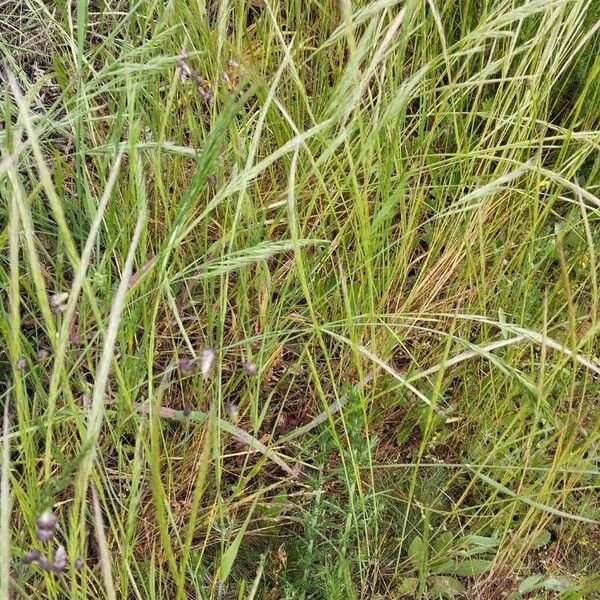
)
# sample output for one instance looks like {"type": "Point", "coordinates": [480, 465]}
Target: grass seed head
{"type": "Point", "coordinates": [60, 558]}
{"type": "Point", "coordinates": [44, 535]}
{"type": "Point", "coordinates": [30, 557]}
{"type": "Point", "coordinates": [207, 358]}
{"type": "Point", "coordinates": [232, 411]}
{"type": "Point", "coordinates": [47, 520]}
{"type": "Point", "coordinates": [46, 563]}
{"type": "Point", "coordinates": [182, 66]}
{"type": "Point", "coordinates": [58, 302]}
{"type": "Point", "coordinates": [250, 368]}
{"type": "Point", "coordinates": [185, 365]}
{"type": "Point", "coordinates": [41, 355]}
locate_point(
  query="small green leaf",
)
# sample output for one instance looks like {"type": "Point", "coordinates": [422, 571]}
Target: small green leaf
{"type": "Point", "coordinates": [475, 566]}
{"type": "Point", "coordinates": [445, 587]}
{"type": "Point", "coordinates": [479, 540]}
{"type": "Point", "coordinates": [442, 542]}
{"type": "Point", "coordinates": [561, 583]}
{"type": "Point", "coordinates": [531, 583]}
{"type": "Point", "coordinates": [542, 539]}
{"type": "Point", "coordinates": [407, 587]}
{"type": "Point", "coordinates": [473, 551]}
{"type": "Point", "coordinates": [448, 566]}
{"type": "Point", "coordinates": [416, 551]}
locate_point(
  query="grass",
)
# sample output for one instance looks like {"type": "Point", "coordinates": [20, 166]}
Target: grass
{"type": "Point", "coordinates": [382, 217]}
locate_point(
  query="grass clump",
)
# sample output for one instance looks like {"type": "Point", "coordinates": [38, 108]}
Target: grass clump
{"type": "Point", "coordinates": [300, 299]}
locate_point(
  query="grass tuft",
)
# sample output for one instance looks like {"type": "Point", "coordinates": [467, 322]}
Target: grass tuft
{"type": "Point", "coordinates": [301, 299]}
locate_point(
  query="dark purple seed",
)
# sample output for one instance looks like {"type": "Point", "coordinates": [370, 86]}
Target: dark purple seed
{"type": "Point", "coordinates": [212, 180]}
{"type": "Point", "coordinates": [187, 409]}
{"type": "Point", "coordinates": [31, 556]}
{"type": "Point", "coordinates": [186, 365]}
{"type": "Point", "coordinates": [41, 355]}
{"type": "Point", "coordinates": [21, 363]}
{"type": "Point", "coordinates": [79, 564]}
